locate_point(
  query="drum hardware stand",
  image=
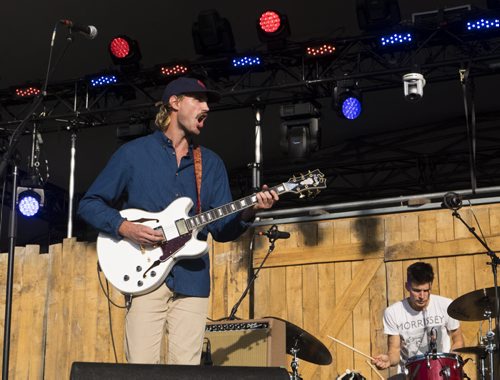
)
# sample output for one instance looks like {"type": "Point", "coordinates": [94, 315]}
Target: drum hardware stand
{"type": "Point", "coordinates": [295, 362]}
{"type": "Point", "coordinates": [491, 346]}
{"type": "Point", "coordinates": [490, 335]}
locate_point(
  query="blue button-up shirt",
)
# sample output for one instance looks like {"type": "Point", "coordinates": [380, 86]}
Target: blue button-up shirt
{"type": "Point", "coordinates": [145, 175]}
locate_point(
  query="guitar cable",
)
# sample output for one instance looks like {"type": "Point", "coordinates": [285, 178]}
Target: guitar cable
{"type": "Point", "coordinates": [110, 302]}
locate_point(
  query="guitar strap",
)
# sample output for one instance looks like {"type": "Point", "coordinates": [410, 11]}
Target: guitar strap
{"type": "Point", "coordinates": [197, 173]}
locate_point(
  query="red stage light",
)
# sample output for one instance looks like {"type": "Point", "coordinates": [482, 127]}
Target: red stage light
{"type": "Point", "coordinates": [318, 51]}
{"type": "Point", "coordinates": [273, 28]}
{"type": "Point", "coordinates": [124, 51]}
{"type": "Point", "coordinates": [119, 47]}
{"type": "Point", "coordinates": [25, 92]}
{"type": "Point", "coordinates": [170, 71]}
{"type": "Point", "coordinates": [270, 21]}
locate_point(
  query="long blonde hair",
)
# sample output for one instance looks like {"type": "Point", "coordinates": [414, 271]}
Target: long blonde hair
{"type": "Point", "coordinates": [162, 119]}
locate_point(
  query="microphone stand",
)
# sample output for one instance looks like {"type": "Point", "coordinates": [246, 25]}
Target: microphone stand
{"type": "Point", "coordinates": [494, 262]}
{"type": "Point", "coordinates": [4, 161]}
{"type": "Point", "coordinates": [252, 279]}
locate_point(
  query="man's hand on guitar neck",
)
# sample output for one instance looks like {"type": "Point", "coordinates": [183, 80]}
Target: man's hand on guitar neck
{"type": "Point", "coordinates": [265, 199]}
{"type": "Point", "coordinates": [139, 233]}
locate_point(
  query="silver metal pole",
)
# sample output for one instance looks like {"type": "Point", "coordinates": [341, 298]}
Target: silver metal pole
{"type": "Point", "coordinates": [71, 184]}
{"type": "Point", "coordinates": [256, 167]}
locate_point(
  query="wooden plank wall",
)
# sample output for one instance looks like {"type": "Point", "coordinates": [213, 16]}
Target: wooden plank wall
{"type": "Point", "coordinates": [331, 278]}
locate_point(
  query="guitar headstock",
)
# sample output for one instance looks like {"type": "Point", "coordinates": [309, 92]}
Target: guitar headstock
{"type": "Point", "coordinates": [307, 185]}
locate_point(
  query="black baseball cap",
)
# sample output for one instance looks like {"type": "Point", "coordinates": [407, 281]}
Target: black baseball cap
{"type": "Point", "coordinates": [185, 85]}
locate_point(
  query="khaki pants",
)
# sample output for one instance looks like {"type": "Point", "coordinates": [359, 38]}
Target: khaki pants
{"type": "Point", "coordinates": [162, 311]}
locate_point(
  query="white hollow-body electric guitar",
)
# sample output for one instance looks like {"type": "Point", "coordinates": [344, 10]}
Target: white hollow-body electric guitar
{"type": "Point", "coordinates": [135, 270]}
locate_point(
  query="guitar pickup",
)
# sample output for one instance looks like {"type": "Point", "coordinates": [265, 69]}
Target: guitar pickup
{"type": "Point", "coordinates": [181, 226]}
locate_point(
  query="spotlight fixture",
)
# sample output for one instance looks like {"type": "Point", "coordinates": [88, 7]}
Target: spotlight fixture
{"type": "Point", "coordinates": [173, 70]}
{"type": "Point", "coordinates": [124, 51]}
{"type": "Point", "coordinates": [273, 28]}
{"type": "Point", "coordinates": [246, 61]}
{"type": "Point", "coordinates": [212, 34]}
{"type": "Point", "coordinates": [483, 24]}
{"type": "Point", "coordinates": [102, 80]}
{"type": "Point", "coordinates": [377, 14]}
{"type": "Point", "coordinates": [29, 200]}
{"type": "Point", "coordinates": [347, 99]}
{"type": "Point", "coordinates": [397, 40]}
{"type": "Point", "coordinates": [320, 50]}
{"type": "Point", "coordinates": [300, 132]}
{"type": "Point", "coordinates": [27, 91]}
{"type": "Point", "coordinates": [413, 84]}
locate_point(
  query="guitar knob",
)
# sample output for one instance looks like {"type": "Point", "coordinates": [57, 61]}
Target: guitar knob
{"type": "Point", "coordinates": [139, 283]}
{"type": "Point", "coordinates": [138, 268]}
{"type": "Point", "coordinates": [126, 278]}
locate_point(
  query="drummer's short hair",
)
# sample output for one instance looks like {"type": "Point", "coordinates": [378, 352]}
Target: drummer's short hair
{"type": "Point", "coordinates": [420, 273]}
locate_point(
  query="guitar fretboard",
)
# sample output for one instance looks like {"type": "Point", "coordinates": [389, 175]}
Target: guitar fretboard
{"type": "Point", "coordinates": [207, 217]}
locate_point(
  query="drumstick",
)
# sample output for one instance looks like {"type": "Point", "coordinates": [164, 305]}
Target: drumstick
{"type": "Point", "coordinates": [352, 348]}
{"type": "Point", "coordinates": [375, 369]}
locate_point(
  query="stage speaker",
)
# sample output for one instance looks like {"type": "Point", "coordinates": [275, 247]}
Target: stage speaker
{"type": "Point", "coordinates": [255, 342]}
{"type": "Point", "coordinates": [109, 371]}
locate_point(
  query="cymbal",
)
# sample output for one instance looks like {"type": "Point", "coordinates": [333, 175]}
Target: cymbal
{"type": "Point", "coordinates": [476, 350]}
{"type": "Point", "coordinates": [474, 306]}
{"type": "Point", "coordinates": [309, 348]}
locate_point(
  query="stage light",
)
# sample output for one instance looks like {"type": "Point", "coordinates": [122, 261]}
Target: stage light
{"type": "Point", "coordinates": [174, 70]}
{"type": "Point", "coordinates": [103, 80]}
{"type": "Point", "coordinates": [246, 61]}
{"type": "Point", "coordinates": [27, 91]}
{"type": "Point", "coordinates": [396, 40]}
{"type": "Point", "coordinates": [212, 34]}
{"type": "Point", "coordinates": [124, 51]}
{"type": "Point", "coordinates": [347, 99]}
{"type": "Point", "coordinates": [413, 85]}
{"type": "Point", "coordinates": [29, 200]}
{"type": "Point", "coordinates": [377, 14]}
{"type": "Point", "coordinates": [300, 132]}
{"type": "Point", "coordinates": [320, 51]}
{"type": "Point", "coordinates": [483, 25]}
{"type": "Point", "coordinates": [273, 28]}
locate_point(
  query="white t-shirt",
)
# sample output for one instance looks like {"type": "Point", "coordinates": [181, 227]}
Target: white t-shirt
{"type": "Point", "coordinates": [415, 326]}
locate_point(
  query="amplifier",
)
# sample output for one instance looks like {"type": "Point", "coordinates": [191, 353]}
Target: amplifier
{"type": "Point", "coordinates": [253, 343]}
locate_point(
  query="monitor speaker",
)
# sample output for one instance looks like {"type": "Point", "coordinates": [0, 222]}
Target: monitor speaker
{"type": "Point", "coordinates": [255, 342]}
{"type": "Point", "coordinates": [109, 371]}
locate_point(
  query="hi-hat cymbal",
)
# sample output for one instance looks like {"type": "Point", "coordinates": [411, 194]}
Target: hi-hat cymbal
{"type": "Point", "coordinates": [309, 348]}
{"type": "Point", "coordinates": [476, 350]}
{"type": "Point", "coordinates": [474, 306]}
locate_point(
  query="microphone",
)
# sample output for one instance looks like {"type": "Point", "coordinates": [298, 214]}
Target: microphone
{"type": "Point", "coordinates": [274, 234]}
{"type": "Point", "coordinates": [452, 201]}
{"type": "Point", "coordinates": [89, 31]}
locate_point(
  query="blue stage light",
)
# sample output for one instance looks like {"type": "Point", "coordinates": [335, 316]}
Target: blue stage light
{"type": "Point", "coordinates": [351, 108]}
{"type": "Point", "coordinates": [396, 39]}
{"type": "Point", "coordinates": [29, 203]}
{"type": "Point", "coordinates": [483, 24]}
{"type": "Point", "coordinates": [246, 61]}
{"type": "Point", "coordinates": [103, 80]}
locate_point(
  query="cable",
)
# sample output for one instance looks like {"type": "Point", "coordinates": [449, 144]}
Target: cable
{"type": "Point", "coordinates": [110, 302]}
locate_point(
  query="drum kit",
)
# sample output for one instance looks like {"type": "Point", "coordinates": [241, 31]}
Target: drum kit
{"type": "Point", "coordinates": [478, 305]}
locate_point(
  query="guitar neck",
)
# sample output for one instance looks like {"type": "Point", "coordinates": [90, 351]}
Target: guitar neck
{"type": "Point", "coordinates": [201, 220]}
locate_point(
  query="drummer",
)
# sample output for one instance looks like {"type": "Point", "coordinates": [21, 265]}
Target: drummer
{"type": "Point", "coordinates": [420, 323]}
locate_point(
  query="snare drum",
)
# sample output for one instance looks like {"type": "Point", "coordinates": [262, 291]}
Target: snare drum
{"type": "Point", "coordinates": [435, 367]}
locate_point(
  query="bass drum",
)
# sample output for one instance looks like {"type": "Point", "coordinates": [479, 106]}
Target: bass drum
{"type": "Point", "coordinates": [435, 367]}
